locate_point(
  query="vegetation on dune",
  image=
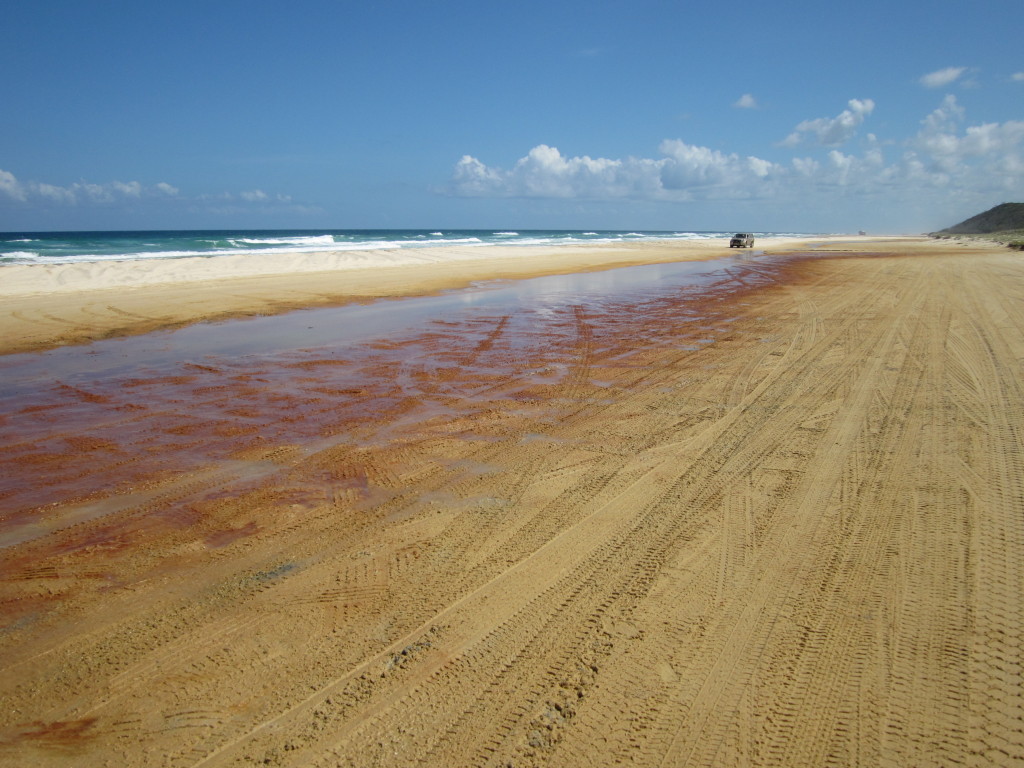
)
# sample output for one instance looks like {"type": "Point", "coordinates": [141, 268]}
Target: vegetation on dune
{"type": "Point", "coordinates": [1002, 224]}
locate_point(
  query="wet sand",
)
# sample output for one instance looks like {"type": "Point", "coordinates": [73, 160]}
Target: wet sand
{"type": "Point", "coordinates": [770, 520]}
{"type": "Point", "coordinates": [42, 307]}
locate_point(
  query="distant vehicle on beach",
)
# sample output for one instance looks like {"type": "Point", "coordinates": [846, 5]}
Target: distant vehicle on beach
{"type": "Point", "coordinates": [742, 240]}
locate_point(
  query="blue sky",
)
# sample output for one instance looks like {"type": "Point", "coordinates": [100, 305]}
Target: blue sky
{"type": "Point", "coordinates": [788, 116]}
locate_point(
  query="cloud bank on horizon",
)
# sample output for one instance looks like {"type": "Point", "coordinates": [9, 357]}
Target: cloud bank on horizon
{"type": "Point", "coordinates": [946, 154]}
{"type": "Point", "coordinates": [159, 196]}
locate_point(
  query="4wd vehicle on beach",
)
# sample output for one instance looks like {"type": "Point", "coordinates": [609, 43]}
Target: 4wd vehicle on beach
{"type": "Point", "coordinates": [742, 240]}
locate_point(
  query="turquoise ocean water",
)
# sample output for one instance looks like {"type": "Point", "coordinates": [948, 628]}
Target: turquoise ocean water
{"type": "Point", "coordinates": [70, 247]}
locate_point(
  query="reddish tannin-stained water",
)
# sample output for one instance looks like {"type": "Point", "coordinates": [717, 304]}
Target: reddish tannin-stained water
{"type": "Point", "coordinates": [102, 428]}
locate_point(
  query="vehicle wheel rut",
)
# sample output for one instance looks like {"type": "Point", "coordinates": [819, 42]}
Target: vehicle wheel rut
{"type": "Point", "coordinates": [772, 523]}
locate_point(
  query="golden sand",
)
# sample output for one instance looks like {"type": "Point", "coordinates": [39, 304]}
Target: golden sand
{"type": "Point", "coordinates": [773, 523]}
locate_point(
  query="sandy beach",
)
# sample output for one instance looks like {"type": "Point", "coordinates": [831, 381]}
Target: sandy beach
{"type": "Point", "coordinates": [50, 305]}
{"type": "Point", "coordinates": [771, 521]}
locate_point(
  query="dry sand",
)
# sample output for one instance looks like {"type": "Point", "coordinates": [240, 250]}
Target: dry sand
{"type": "Point", "coordinates": [773, 523]}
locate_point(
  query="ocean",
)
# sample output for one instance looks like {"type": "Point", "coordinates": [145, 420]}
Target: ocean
{"type": "Point", "coordinates": [71, 247]}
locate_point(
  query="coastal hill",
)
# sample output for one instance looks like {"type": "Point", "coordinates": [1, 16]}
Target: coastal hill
{"type": "Point", "coordinates": [1002, 224]}
{"type": "Point", "coordinates": [1004, 217]}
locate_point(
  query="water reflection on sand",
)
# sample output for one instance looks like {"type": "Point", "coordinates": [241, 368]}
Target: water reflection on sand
{"type": "Point", "coordinates": [341, 326]}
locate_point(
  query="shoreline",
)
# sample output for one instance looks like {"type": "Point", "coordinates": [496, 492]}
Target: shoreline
{"type": "Point", "coordinates": [48, 306]}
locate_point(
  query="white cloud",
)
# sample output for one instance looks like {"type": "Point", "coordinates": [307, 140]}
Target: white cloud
{"type": "Point", "coordinates": [947, 158]}
{"type": "Point", "coordinates": [52, 193]}
{"type": "Point", "coordinates": [10, 186]}
{"type": "Point", "coordinates": [979, 155]}
{"type": "Point", "coordinates": [96, 193]}
{"type": "Point", "coordinates": [41, 205]}
{"type": "Point", "coordinates": [710, 173]}
{"type": "Point", "coordinates": [129, 189]}
{"type": "Point", "coordinates": [942, 77]}
{"type": "Point", "coordinates": [833, 131]}
{"type": "Point", "coordinates": [1017, 77]}
{"type": "Point", "coordinates": [806, 167]}
{"type": "Point", "coordinates": [683, 171]}
{"type": "Point", "coordinates": [993, 139]}
{"type": "Point", "coordinates": [945, 118]}
{"type": "Point", "coordinates": [474, 179]}
{"type": "Point", "coordinates": [544, 172]}
{"type": "Point", "coordinates": [746, 101]}
{"type": "Point", "coordinates": [82, 193]}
